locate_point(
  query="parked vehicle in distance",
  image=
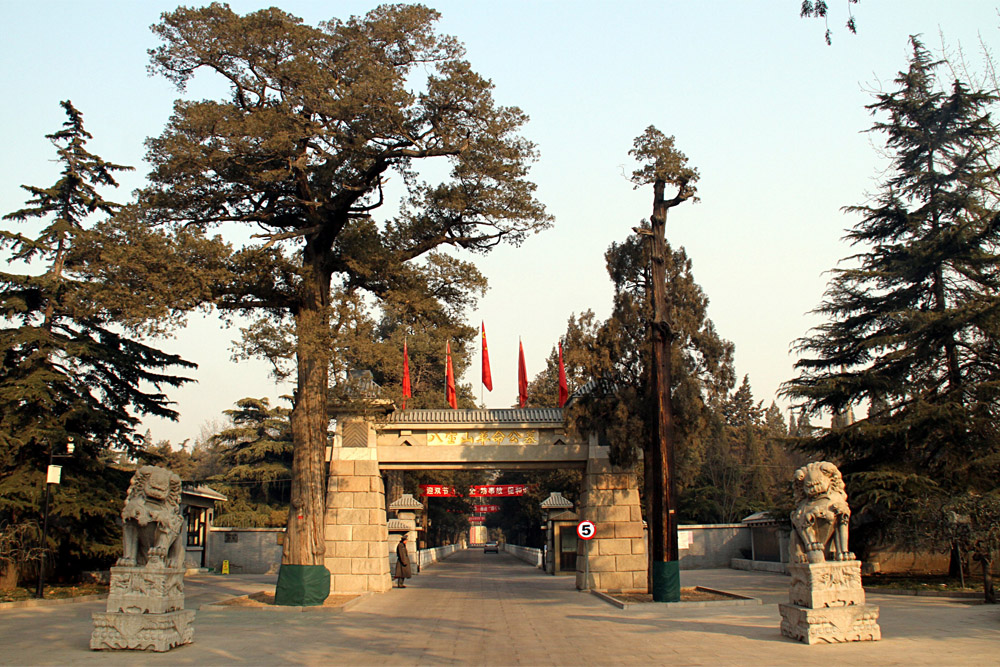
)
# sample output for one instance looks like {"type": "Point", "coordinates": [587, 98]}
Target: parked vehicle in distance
{"type": "Point", "coordinates": [491, 546]}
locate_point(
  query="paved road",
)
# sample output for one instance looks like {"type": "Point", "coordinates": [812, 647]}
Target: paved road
{"type": "Point", "coordinates": [491, 609]}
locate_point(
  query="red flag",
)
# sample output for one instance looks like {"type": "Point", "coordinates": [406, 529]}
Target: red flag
{"type": "Point", "coordinates": [407, 393]}
{"type": "Point", "coordinates": [487, 376]}
{"type": "Point", "coordinates": [563, 388]}
{"type": "Point", "coordinates": [522, 379]}
{"type": "Point", "coordinates": [450, 377]}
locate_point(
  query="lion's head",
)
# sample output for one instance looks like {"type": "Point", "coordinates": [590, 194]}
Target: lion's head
{"type": "Point", "coordinates": [153, 487]}
{"type": "Point", "coordinates": [817, 479]}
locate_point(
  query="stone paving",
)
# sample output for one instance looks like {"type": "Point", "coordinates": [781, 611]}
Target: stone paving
{"type": "Point", "coordinates": [491, 609]}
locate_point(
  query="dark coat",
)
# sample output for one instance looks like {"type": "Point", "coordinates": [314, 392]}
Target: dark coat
{"type": "Point", "coordinates": [402, 562]}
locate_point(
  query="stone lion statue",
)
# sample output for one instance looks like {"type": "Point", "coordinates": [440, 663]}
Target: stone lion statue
{"type": "Point", "coordinates": [821, 517]}
{"type": "Point", "coordinates": [153, 520]}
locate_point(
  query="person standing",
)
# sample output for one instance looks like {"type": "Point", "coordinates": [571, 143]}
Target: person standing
{"type": "Point", "coordinates": [402, 562]}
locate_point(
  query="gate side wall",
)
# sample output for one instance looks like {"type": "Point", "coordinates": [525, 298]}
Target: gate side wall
{"type": "Point", "coordinates": [615, 559]}
{"type": "Point", "coordinates": [357, 535]}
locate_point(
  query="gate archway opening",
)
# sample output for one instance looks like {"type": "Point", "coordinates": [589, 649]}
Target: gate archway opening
{"type": "Point", "coordinates": [366, 445]}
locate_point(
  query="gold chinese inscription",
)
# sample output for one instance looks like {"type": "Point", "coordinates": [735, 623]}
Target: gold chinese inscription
{"type": "Point", "coordinates": [519, 436]}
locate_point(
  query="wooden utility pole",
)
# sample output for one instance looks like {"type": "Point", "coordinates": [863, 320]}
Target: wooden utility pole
{"type": "Point", "coordinates": [661, 165]}
{"type": "Point", "coordinates": [664, 557]}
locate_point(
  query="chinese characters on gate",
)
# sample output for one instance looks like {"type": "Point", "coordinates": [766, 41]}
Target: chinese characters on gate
{"type": "Point", "coordinates": [520, 436]}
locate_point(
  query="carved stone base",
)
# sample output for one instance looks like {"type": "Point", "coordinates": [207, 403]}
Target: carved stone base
{"type": "Point", "coordinates": [142, 632]}
{"type": "Point", "coordinates": [830, 625]}
{"type": "Point", "coordinates": [145, 611]}
{"type": "Point", "coordinates": [145, 590]}
{"type": "Point", "coordinates": [827, 604]}
{"type": "Point", "coordinates": [829, 584]}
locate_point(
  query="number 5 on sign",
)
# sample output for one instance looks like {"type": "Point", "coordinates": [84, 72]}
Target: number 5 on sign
{"type": "Point", "coordinates": [585, 530]}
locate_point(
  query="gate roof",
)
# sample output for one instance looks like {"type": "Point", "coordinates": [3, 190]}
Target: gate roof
{"type": "Point", "coordinates": [547, 416]}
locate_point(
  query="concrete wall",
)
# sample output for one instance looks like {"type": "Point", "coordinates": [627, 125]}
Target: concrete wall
{"type": "Point", "coordinates": [712, 546]}
{"type": "Point", "coordinates": [256, 550]}
{"type": "Point", "coordinates": [424, 557]}
{"type": "Point", "coordinates": [428, 556]}
{"type": "Point", "coordinates": [527, 554]}
{"type": "Point", "coordinates": [890, 561]}
{"type": "Point", "coordinates": [248, 550]}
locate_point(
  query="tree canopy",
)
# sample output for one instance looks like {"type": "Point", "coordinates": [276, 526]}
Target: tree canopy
{"type": "Point", "coordinates": [912, 321]}
{"type": "Point", "coordinates": [302, 148]}
{"type": "Point", "coordinates": [66, 370]}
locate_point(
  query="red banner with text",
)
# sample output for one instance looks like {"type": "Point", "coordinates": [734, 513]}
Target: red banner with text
{"type": "Point", "coordinates": [497, 491]}
{"type": "Point", "coordinates": [438, 491]}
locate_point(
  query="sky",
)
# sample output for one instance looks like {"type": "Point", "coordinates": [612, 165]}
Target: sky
{"type": "Point", "coordinates": [772, 117]}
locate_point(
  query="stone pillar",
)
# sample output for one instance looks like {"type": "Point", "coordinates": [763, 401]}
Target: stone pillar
{"type": "Point", "coordinates": [827, 604]}
{"type": "Point", "coordinates": [408, 509]}
{"type": "Point", "coordinates": [615, 559]}
{"type": "Point", "coordinates": [356, 531]}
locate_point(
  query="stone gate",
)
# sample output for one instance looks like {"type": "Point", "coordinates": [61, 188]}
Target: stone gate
{"type": "Point", "coordinates": [509, 439]}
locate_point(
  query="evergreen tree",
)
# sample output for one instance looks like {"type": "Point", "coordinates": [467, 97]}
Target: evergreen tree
{"type": "Point", "coordinates": [178, 459]}
{"type": "Point", "coordinates": [747, 466]}
{"type": "Point", "coordinates": [615, 359]}
{"type": "Point", "coordinates": [257, 453]}
{"type": "Point", "coordinates": [316, 119]}
{"type": "Point", "coordinates": [578, 345]}
{"type": "Point", "coordinates": [64, 372]}
{"type": "Point", "coordinates": [914, 323]}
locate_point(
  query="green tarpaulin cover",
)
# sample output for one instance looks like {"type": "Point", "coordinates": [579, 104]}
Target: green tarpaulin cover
{"type": "Point", "coordinates": [667, 581]}
{"type": "Point", "coordinates": [302, 585]}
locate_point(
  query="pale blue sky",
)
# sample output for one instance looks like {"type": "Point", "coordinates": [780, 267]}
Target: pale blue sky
{"type": "Point", "coordinates": [771, 116]}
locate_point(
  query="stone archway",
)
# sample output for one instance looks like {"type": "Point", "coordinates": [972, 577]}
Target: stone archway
{"type": "Point", "coordinates": [531, 438]}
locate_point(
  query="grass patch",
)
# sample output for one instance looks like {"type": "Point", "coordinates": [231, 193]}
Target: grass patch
{"type": "Point", "coordinates": [265, 599]}
{"type": "Point", "coordinates": [55, 592]}
{"type": "Point", "coordinates": [923, 582]}
{"type": "Point", "coordinates": [688, 594]}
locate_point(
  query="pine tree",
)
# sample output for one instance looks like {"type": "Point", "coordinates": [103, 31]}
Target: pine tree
{"type": "Point", "coordinates": [914, 323]}
{"type": "Point", "coordinates": [257, 452]}
{"type": "Point", "coordinates": [65, 372]}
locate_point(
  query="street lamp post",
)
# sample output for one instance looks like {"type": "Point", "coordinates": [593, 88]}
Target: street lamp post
{"type": "Point", "coordinates": [53, 475]}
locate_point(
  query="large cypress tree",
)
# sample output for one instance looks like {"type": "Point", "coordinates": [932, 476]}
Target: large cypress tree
{"type": "Point", "coordinates": [64, 371]}
{"type": "Point", "coordinates": [914, 319]}
{"type": "Point", "coordinates": [316, 120]}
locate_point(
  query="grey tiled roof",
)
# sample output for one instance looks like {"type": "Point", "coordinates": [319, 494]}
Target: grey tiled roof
{"type": "Point", "coordinates": [556, 501]}
{"type": "Point", "coordinates": [496, 416]}
{"type": "Point", "coordinates": [406, 502]}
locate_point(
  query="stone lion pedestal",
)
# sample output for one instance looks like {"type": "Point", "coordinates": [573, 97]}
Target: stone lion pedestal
{"type": "Point", "coordinates": [826, 601]}
{"type": "Point", "coordinates": [145, 611]}
{"type": "Point", "coordinates": [827, 604]}
{"type": "Point", "coordinates": [146, 601]}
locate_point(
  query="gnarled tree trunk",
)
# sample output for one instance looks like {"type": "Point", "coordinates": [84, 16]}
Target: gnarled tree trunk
{"type": "Point", "coordinates": [305, 535]}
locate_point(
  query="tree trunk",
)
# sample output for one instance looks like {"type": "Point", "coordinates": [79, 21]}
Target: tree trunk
{"type": "Point", "coordinates": [8, 576]}
{"type": "Point", "coordinates": [956, 568]}
{"type": "Point", "coordinates": [647, 501]}
{"type": "Point", "coordinates": [305, 536]}
{"type": "Point", "coordinates": [989, 592]}
{"type": "Point", "coordinates": [663, 517]}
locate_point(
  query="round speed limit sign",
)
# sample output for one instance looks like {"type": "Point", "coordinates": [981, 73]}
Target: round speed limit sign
{"type": "Point", "coordinates": [586, 530]}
